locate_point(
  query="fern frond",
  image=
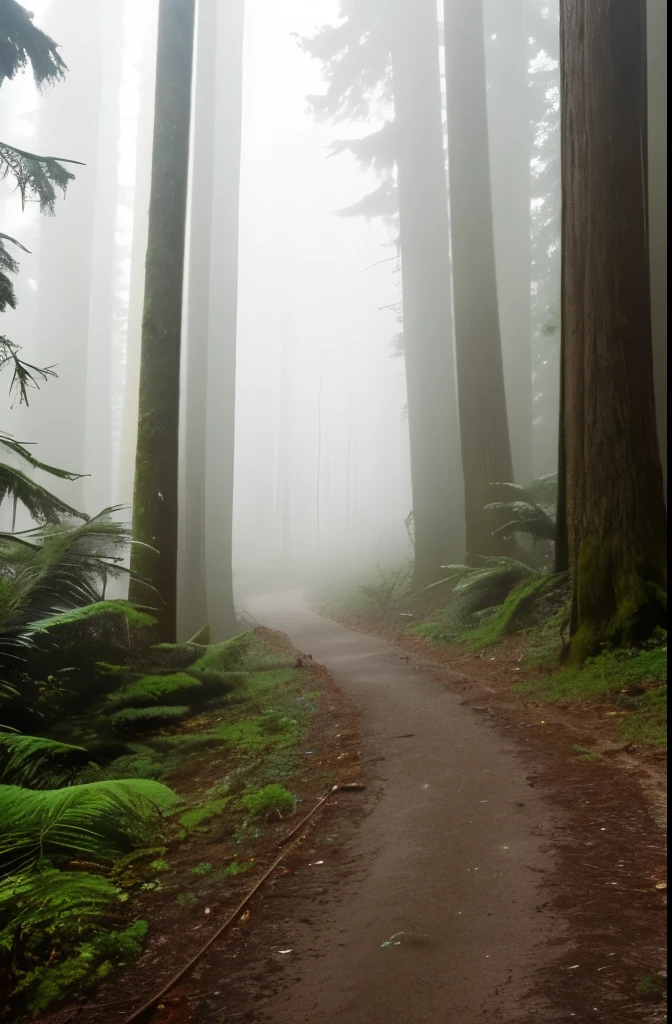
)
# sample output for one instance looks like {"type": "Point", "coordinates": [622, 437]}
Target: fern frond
{"type": "Point", "coordinates": [32, 902]}
{"type": "Point", "coordinates": [42, 506]}
{"type": "Point", "coordinates": [38, 762]}
{"type": "Point", "coordinates": [101, 820]}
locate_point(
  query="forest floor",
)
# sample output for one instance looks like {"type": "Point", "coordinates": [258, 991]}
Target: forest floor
{"type": "Point", "coordinates": [514, 856]}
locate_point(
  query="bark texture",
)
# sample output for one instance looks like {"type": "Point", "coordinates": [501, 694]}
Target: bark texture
{"type": "Point", "coordinates": [612, 489]}
{"type": "Point", "coordinates": [192, 599]}
{"type": "Point", "coordinates": [484, 430]}
{"type": "Point", "coordinates": [657, 96]}
{"type": "Point", "coordinates": [155, 498]}
{"type": "Point", "coordinates": [425, 268]}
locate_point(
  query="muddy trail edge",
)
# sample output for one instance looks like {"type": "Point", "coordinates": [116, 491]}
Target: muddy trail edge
{"type": "Point", "coordinates": [454, 849]}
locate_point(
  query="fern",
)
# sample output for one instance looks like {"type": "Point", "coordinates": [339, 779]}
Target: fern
{"type": "Point", "coordinates": [132, 720]}
{"type": "Point", "coordinates": [102, 820]}
{"type": "Point", "coordinates": [50, 570]}
{"type": "Point", "coordinates": [225, 656]}
{"type": "Point", "coordinates": [90, 964]}
{"type": "Point", "coordinates": [483, 581]}
{"type": "Point", "coordinates": [35, 901]}
{"type": "Point", "coordinates": [152, 690]}
{"type": "Point", "coordinates": [37, 762]}
{"type": "Point", "coordinates": [528, 511]}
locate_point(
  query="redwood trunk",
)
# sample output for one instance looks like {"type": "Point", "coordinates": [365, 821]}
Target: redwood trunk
{"type": "Point", "coordinates": [436, 475]}
{"type": "Point", "coordinates": [484, 430]}
{"type": "Point", "coordinates": [155, 497]}
{"type": "Point", "coordinates": [613, 492]}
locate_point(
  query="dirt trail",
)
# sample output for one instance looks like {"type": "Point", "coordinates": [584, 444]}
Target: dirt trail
{"type": "Point", "coordinates": [453, 848]}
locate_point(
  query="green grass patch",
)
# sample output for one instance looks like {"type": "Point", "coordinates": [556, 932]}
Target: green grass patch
{"type": "Point", "coordinates": [201, 817]}
{"type": "Point", "coordinates": [635, 680]}
{"type": "Point", "coordinates": [584, 754]}
{"type": "Point", "coordinates": [272, 799]}
{"type": "Point", "coordinates": [204, 868]}
{"type": "Point", "coordinates": [236, 868]}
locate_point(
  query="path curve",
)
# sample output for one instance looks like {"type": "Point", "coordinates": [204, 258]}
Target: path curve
{"type": "Point", "coordinates": [453, 849]}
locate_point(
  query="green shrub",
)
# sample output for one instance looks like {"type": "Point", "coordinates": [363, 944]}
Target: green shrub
{"type": "Point", "coordinates": [273, 799]}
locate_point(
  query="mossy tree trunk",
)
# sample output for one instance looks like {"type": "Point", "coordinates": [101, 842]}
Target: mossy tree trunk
{"type": "Point", "coordinates": [612, 489]}
{"type": "Point", "coordinates": [155, 497]}
{"type": "Point", "coordinates": [436, 475]}
{"type": "Point", "coordinates": [484, 429]}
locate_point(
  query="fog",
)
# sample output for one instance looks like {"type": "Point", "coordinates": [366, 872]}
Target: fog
{"type": "Point", "coordinates": [322, 484]}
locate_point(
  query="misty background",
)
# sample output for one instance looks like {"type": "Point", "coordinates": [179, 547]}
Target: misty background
{"type": "Point", "coordinates": [322, 481]}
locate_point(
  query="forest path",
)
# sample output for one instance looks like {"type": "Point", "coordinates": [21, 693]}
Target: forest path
{"type": "Point", "coordinates": [452, 848]}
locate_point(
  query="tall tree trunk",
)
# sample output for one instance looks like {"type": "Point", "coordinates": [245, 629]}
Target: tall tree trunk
{"type": "Point", "coordinates": [221, 384]}
{"type": "Point", "coordinates": [141, 193]}
{"type": "Point", "coordinates": [192, 603]}
{"type": "Point", "coordinates": [102, 325]}
{"type": "Point", "coordinates": [484, 431]}
{"type": "Point", "coordinates": [155, 498]}
{"type": "Point", "coordinates": [510, 152]}
{"type": "Point", "coordinates": [657, 96]}
{"type": "Point", "coordinates": [613, 488]}
{"type": "Point", "coordinates": [436, 475]}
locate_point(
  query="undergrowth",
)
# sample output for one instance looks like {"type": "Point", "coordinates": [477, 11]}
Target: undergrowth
{"type": "Point", "coordinates": [631, 679]}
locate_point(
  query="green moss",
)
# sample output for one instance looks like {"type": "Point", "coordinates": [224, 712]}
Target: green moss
{"type": "Point", "coordinates": [204, 868]}
{"type": "Point", "coordinates": [235, 868]}
{"type": "Point", "coordinates": [200, 817]}
{"type": "Point", "coordinates": [127, 611]}
{"type": "Point", "coordinates": [224, 657]}
{"type": "Point", "coordinates": [630, 677]}
{"type": "Point", "coordinates": [618, 598]}
{"type": "Point", "coordinates": [78, 975]}
{"type": "Point", "coordinates": [651, 986]}
{"type": "Point", "coordinates": [186, 899]}
{"type": "Point", "coordinates": [584, 754]}
{"type": "Point", "coordinates": [272, 799]}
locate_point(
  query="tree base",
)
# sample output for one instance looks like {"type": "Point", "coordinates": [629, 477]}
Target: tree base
{"type": "Point", "coordinates": [619, 598]}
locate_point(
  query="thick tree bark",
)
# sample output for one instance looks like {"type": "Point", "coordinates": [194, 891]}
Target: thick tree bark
{"type": "Point", "coordinates": [192, 600]}
{"type": "Point", "coordinates": [484, 430]}
{"type": "Point", "coordinates": [613, 493]}
{"type": "Point", "coordinates": [155, 499]}
{"type": "Point", "coordinates": [221, 382]}
{"type": "Point", "coordinates": [657, 96]}
{"type": "Point", "coordinates": [425, 267]}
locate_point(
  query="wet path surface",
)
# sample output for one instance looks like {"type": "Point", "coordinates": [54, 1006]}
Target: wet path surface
{"type": "Point", "coordinates": [452, 849]}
